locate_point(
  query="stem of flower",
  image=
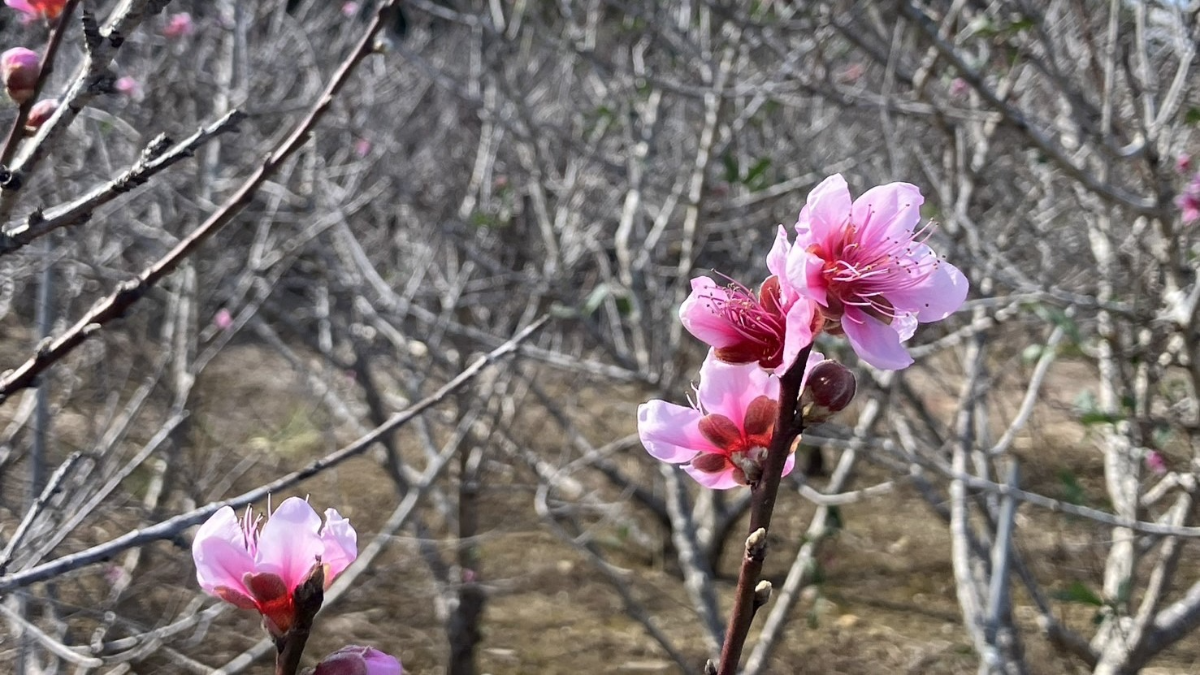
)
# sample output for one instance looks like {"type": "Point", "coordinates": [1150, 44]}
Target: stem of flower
{"type": "Point", "coordinates": [289, 647]}
{"type": "Point", "coordinates": [787, 427]}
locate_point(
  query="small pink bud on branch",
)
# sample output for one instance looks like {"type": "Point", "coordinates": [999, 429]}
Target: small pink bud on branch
{"type": "Point", "coordinates": [19, 68]}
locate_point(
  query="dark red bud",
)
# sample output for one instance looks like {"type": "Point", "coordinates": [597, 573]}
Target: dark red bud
{"type": "Point", "coordinates": [830, 388]}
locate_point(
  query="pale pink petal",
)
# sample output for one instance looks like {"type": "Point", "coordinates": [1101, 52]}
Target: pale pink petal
{"type": "Point", "coordinates": [220, 554]}
{"type": "Point", "coordinates": [777, 258]}
{"type": "Point", "coordinates": [21, 6]}
{"type": "Point", "coordinates": [887, 213]}
{"type": "Point", "coordinates": [671, 432]}
{"type": "Point", "coordinates": [341, 544]}
{"type": "Point", "coordinates": [803, 273]}
{"type": "Point", "coordinates": [727, 389]}
{"type": "Point", "coordinates": [939, 296]}
{"type": "Point", "coordinates": [798, 334]}
{"type": "Point", "coordinates": [825, 212]}
{"type": "Point", "coordinates": [789, 464]}
{"type": "Point", "coordinates": [874, 341]}
{"type": "Point", "coordinates": [290, 543]}
{"type": "Point", "coordinates": [701, 321]}
{"type": "Point", "coordinates": [905, 324]}
{"type": "Point", "coordinates": [722, 480]}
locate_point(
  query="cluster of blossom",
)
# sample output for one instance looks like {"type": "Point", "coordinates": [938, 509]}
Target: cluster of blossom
{"type": "Point", "coordinates": [20, 68]}
{"type": "Point", "coordinates": [265, 567]}
{"type": "Point", "coordinates": [857, 268]}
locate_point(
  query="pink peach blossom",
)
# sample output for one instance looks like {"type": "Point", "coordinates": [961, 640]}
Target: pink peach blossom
{"type": "Point", "coordinates": [362, 147]}
{"type": "Point", "coordinates": [128, 86]}
{"type": "Point", "coordinates": [20, 68]}
{"type": "Point", "coordinates": [1156, 462]}
{"type": "Point", "coordinates": [1188, 201]}
{"type": "Point", "coordinates": [873, 277]}
{"type": "Point", "coordinates": [1183, 163]}
{"type": "Point", "coordinates": [39, 113]}
{"type": "Point", "coordinates": [179, 25]}
{"type": "Point", "coordinates": [260, 569]}
{"type": "Point", "coordinates": [349, 9]}
{"type": "Point", "coordinates": [359, 661]}
{"type": "Point", "coordinates": [223, 319]}
{"type": "Point", "coordinates": [34, 10]}
{"type": "Point", "coordinates": [769, 327]}
{"type": "Point", "coordinates": [723, 441]}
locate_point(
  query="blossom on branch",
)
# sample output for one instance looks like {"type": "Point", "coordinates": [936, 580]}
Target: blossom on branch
{"type": "Point", "coordinates": [35, 10]}
{"type": "Point", "coordinates": [769, 327]}
{"type": "Point", "coordinates": [354, 660]}
{"type": "Point", "coordinates": [39, 113]}
{"type": "Point", "coordinates": [260, 569]}
{"type": "Point", "coordinates": [723, 441]}
{"type": "Point", "coordinates": [19, 68]}
{"type": "Point", "coordinates": [179, 25]}
{"type": "Point", "coordinates": [872, 275]}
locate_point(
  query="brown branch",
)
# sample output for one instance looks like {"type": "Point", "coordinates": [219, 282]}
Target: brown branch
{"type": "Point", "coordinates": [788, 426]}
{"type": "Point", "coordinates": [115, 305]}
{"type": "Point", "coordinates": [156, 157]}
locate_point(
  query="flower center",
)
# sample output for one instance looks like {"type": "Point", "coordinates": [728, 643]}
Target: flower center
{"type": "Point", "coordinates": [861, 269]}
{"type": "Point", "coordinates": [759, 320]}
{"type": "Point", "coordinates": [743, 449]}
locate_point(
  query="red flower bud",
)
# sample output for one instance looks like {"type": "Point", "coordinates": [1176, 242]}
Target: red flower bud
{"type": "Point", "coordinates": [830, 387]}
{"type": "Point", "coordinates": [19, 69]}
{"type": "Point", "coordinates": [39, 113]}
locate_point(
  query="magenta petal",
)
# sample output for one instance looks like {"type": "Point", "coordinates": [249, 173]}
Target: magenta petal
{"type": "Point", "coordinates": [289, 544]}
{"type": "Point", "coordinates": [698, 317]}
{"type": "Point", "coordinates": [379, 663]}
{"type": "Point", "coordinates": [727, 389]}
{"type": "Point", "coordinates": [874, 341]}
{"type": "Point", "coordinates": [941, 295]}
{"type": "Point", "coordinates": [21, 6]}
{"type": "Point", "coordinates": [887, 213]}
{"type": "Point", "coordinates": [713, 481]}
{"type": "Point", "coordinates": [671, 432]}
{"type": "Point", "coordinates": [341, 545]}
{"type": "Point", "coordinates": [220, 554]}
{"type": "Point", "coordinates": [798, 334]}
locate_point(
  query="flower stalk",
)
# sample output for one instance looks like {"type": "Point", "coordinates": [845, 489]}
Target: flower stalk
{"type": "Point", "coordinates": [788, 426]}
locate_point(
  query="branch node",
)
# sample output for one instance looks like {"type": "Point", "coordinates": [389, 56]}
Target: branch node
{"type": "Point", "coordinates": [91, 31]}
{"type": "Point", "coordinates": [756, 544]}
{"type": "Point", "coordinates": [762, 593]}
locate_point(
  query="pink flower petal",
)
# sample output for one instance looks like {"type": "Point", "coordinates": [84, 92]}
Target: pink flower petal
{"type": "Point", "coordinates": [799, 332]}
{"type": "Point", "coordinates": [289, 544]}
{"type": "Point", "coordinates": [874, 341]}
{"type": "Point", "coordinates": [671, 432]}
{"type": "Point", "coordinates": [804, 273]}
{"type": "Point", "coordinates": [887, 212]}
{"type": "Point", "coordinates": [220, 554]}
{"type": "Point", "coordinates": [825, 213]}
{"type": "Point", "coordinates": [714, 481]}
{"type": "Point", "coordinates": [703, 323]}
{"type": "Point", "coordinates": [727, 389]}
{"type": "Point", "coordinates": [777, 258]}
{"type": "Point", "coordinates": [341, 545]}
{"type": "Point", "coordinates": [942, 293]}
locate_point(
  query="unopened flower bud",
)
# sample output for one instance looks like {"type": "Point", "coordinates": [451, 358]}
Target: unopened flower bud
{"type": "Point", "coordinates": [39, 113]}
{"type": "Point", "coordinates": [829, 389]}
{"type": "Point", "coordinates": [359, 661]}
{"type": "Point", "coordinates": [19, 68]}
